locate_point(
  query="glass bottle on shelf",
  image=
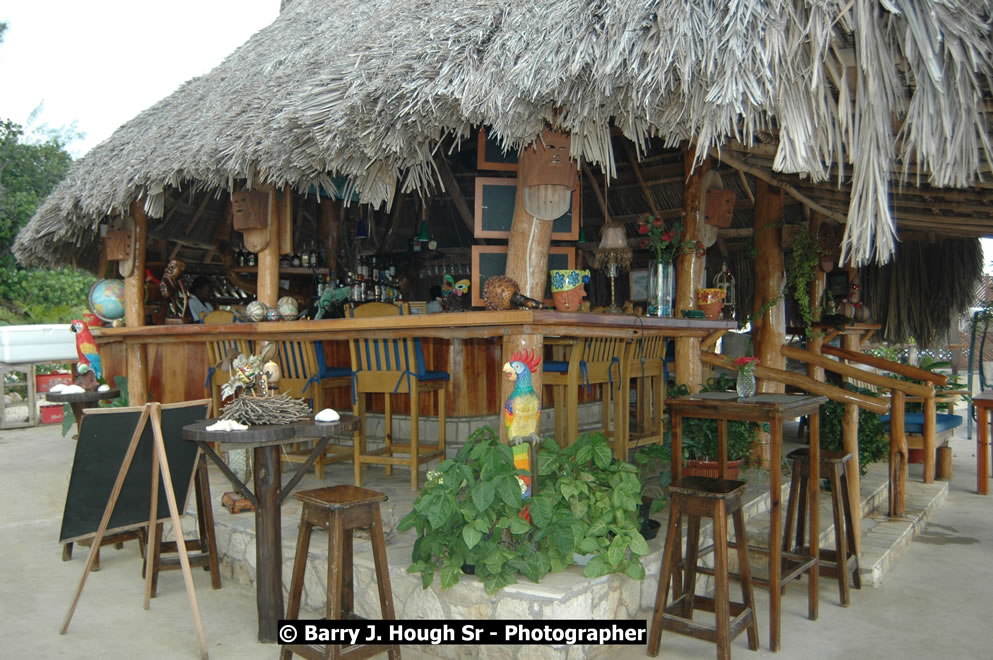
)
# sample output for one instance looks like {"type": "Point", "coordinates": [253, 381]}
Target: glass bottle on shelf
{"type": "Point", "coordinates": [314, 263]}
{"type": "Point", "coordinates": [305, 259]}
{"type": "Point", "coordinates": [251, 259]}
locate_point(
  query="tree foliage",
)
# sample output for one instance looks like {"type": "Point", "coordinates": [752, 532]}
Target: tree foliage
{"type": "Point", "coordinates": [29, 170]}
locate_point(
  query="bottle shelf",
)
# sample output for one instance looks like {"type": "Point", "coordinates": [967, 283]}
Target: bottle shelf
{"type": "Point", "coordinates": [299, 271]}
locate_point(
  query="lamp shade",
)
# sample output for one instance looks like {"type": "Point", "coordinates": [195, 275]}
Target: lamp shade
{"type": "Point", "coordinates": [614, 237]}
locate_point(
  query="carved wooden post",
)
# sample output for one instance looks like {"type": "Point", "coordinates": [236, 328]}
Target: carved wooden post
{"type": "Point", "coordinates": [689, 269]}
{"type": "Point", "coordinates": [268, 291]}
{"type": "Point", "coordinates": [134, 309]}
{"type": "Point", "coordinates": [769, 328]}
{"type": "Point", "coordinates": [542, 187]}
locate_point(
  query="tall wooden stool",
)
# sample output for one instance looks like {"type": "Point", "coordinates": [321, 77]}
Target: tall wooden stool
{"type": "Point", "coordinates": [702, 497]}
{"type": "Point", "coordinates": [340, 509]}
{"type": "Point", "coordinates": [833, 468]}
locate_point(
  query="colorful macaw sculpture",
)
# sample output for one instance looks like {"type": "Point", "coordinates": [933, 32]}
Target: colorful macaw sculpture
{"type": "Point", "coordinates": [521, 413]}
{"type": "Point", "coordinates": [86, 347]}
{"type": "Point", "coordinates": [523, 407]}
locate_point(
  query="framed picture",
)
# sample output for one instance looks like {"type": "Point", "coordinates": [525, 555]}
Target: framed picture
{"type": "Point", "coordinates": [490, 155]}
{"type": "Point", "coordinates": [490, 260]}
{"type": "Point", "coordinates": [639, 284]}
{"type": "Point", "coordinates": [494, 201]}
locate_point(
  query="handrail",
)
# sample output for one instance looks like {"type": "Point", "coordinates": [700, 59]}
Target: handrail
{"type": "Point", "coordinates": [889, 365]}
{"type": "Point", "coordinates": [907, 387]}
{"type": "Point", "coordinates": [874, 404]}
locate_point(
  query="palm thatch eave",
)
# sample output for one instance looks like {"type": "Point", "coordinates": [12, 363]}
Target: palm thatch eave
{"type": "Point", "coordinates": [370, 90]}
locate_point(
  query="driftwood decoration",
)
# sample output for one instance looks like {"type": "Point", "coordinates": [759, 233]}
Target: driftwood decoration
{"type": "Point", "coordinates": [253, 410]}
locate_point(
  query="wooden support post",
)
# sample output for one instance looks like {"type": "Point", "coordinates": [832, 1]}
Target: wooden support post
{"type": "Point", "coordinates": [769, 328]}
{"type": "Point", "coordinates": [268, 287]}
{"type": "Point", "coordinates": [815, 342]}
{"type": "Point", "coordinates": [284, 206]}
{"type": "Point", "coordinates": [689, 269]}
{"type": "Point", "coordinates": [930, 421]}
{"type": "Point", "coordinates": [850, 443]}
{"type": "Point", "coordinates": [527, 264]}
{"type": "Point", "coordinates": [898, 456]}
{"type": "Point", "coordinates": [134, 310]}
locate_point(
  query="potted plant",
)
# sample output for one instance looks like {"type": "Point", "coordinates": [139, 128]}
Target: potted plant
{"type": "Point", "coordinates": [699, 436]}
{"type": "Point", "coordinates": [471, 512]}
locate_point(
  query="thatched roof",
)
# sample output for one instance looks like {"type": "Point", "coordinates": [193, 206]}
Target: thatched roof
{"type": "Point", "coordinates": [369, 89]}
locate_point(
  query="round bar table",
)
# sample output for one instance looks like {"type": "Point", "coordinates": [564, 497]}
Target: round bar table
{"type": "Point", "coordinates": [82, 400]}
{"type": "Point", "coordinates": [268, 495]}
{"type": "Point", "coordinates": [772, 409]}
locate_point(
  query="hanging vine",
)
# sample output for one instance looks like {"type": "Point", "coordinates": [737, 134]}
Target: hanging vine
{"type": "Point", "coordinates": [804, 261]}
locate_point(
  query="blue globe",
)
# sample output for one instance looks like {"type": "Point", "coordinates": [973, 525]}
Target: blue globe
{"type": "Point", "coordinates": [106, 300]}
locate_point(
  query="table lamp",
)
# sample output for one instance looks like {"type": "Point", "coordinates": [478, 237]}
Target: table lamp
{"type": "Point", "coordinates": [613, 255]}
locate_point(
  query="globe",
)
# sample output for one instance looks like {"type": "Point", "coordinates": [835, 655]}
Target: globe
{"type": "Point", "coordinates": [106, 300]}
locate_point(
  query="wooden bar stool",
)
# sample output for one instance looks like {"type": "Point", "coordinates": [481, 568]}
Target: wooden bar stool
{"type": "Point", "coordinates": [702, 497]}
{"type": "Point", "coordinates": [833, 468]}
{"type": "Point", "coordinates": [340, 509]}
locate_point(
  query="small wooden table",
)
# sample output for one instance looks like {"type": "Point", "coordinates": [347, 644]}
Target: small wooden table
{"type": "Point", "coordinates": [773, 409]}
{"type": "Point", "coordinates": [983, 403]}
{"type": "Point", "coordinates": [82, 400]}
{"type": "Point", "coordinates": [267, 496]}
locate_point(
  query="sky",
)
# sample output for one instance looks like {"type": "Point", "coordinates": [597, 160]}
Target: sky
{"type": "Point", "coordinates": [99, 63]}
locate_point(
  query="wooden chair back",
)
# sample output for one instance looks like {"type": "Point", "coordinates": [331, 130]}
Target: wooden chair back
{"type": "Point", "coordinates": [381, 365]}
{"type": "Point", "coordinates": [298, 366]}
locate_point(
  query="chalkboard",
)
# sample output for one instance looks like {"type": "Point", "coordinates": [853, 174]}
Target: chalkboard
{"type": "Point", "coordinates": [490, 260]}
{"type": "Point", "coordinates": [104, 436]}
{"type": "Point", "coordinates": [494, 210]}
{"type": "Point", "coordinates": [490, 155]}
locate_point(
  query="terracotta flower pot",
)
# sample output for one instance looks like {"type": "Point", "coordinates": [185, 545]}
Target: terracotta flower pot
{"type": "Point", "coordinates": [711, 469]}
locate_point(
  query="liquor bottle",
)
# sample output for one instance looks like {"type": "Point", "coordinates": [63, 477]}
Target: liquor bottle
{"type": "Point", "coordinates": [313, 256]}
{"type": "Point", "coordinates": [305, 259]}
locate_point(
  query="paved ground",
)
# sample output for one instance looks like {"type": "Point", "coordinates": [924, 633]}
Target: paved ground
{"type": "Point", "coordinates": [934, 603]}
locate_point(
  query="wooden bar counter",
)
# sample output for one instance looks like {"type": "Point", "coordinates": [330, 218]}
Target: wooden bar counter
{"type": "Point", "coordinates": [466, 344]}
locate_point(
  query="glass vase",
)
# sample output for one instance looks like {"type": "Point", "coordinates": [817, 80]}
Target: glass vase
{"type": "Point", "coordinates": [661, 288]}
{"type": "Point", "coordinates": [745, 385]}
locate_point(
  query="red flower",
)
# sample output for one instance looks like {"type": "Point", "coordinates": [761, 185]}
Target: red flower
{"type": "Point", "coordinates": [700, 249]}
{"type": "Point", "coordinates": [642, 229]}
{"type": "Point", "coordinates": [644, 242]}
{"type": "Point", "coordinates": [658, 222]}
{"type": "Point", "coordinates": [746, 362]}
{"type": "Point", "coordinates": [525, 513]}
{"type": "Point", "coordinates": [667, 236]}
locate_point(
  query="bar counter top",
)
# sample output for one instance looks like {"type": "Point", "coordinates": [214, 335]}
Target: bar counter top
{"type": "Point", "coordinates": [458, 325]}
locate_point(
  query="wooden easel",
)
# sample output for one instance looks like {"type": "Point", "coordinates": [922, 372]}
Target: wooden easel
{"type": "Point", "coordinates": [160, 466]}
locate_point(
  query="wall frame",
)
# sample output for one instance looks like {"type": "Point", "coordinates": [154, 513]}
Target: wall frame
{"type": "Point", "coordinates": [490, 156]}
{"type": "Point", "coordinates": [639, 284]}
{"type": "Point", "coordinates": [489, 260]}
{"type": "Point", "coordinates": [494, 202]}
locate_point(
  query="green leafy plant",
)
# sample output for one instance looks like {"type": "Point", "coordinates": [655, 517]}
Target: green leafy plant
{"type": "Point", "coordinates": [873, 441]}
{"type": "Point", "coordinates": [699, 436]}
{"type": "Point", "coordinates": [470, 512]}
{"type": "Point", "coordinates": [804, 261]}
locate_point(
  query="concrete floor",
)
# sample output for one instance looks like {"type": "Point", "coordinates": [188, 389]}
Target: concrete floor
{"type": "Point", "coordinates": [931, 604]}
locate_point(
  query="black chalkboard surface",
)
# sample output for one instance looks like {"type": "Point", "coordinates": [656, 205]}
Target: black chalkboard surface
{"type": "Point", "coordinates": [490, 260]}
{"type": "Point", "coordinates": [494, 210]}
{"type": "Point", "coordinates": [104, 437]}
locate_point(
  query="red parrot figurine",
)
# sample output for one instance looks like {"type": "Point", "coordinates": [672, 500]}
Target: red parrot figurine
{"type": "Point", "coordinates": [86, 347]}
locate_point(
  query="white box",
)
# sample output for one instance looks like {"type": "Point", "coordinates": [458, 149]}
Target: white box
{"type": "Point", "coordinates": [21, 344]}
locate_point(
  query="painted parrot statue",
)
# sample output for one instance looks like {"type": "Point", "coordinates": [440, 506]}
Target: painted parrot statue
{"type": "Point", "coordinates": [86, 347]}
{"type": "Point", "coordinates": [523, 406]}
{"type": "Point", "coordinates": [521, 412]}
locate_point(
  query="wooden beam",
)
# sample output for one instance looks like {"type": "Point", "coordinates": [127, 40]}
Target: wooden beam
{"type": "Point", "coordinates": [632, 158]}
{"type": "Point", "coordinates": [748, 188]}
{"type": "Point", "coordinates": [596, 191]}
{"type": "Point", "coordinates": [455, 194]}
{"type": "Point", "coordinates": [772, 181]}
{"type": "Point", "coordinates": [196, 214]}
